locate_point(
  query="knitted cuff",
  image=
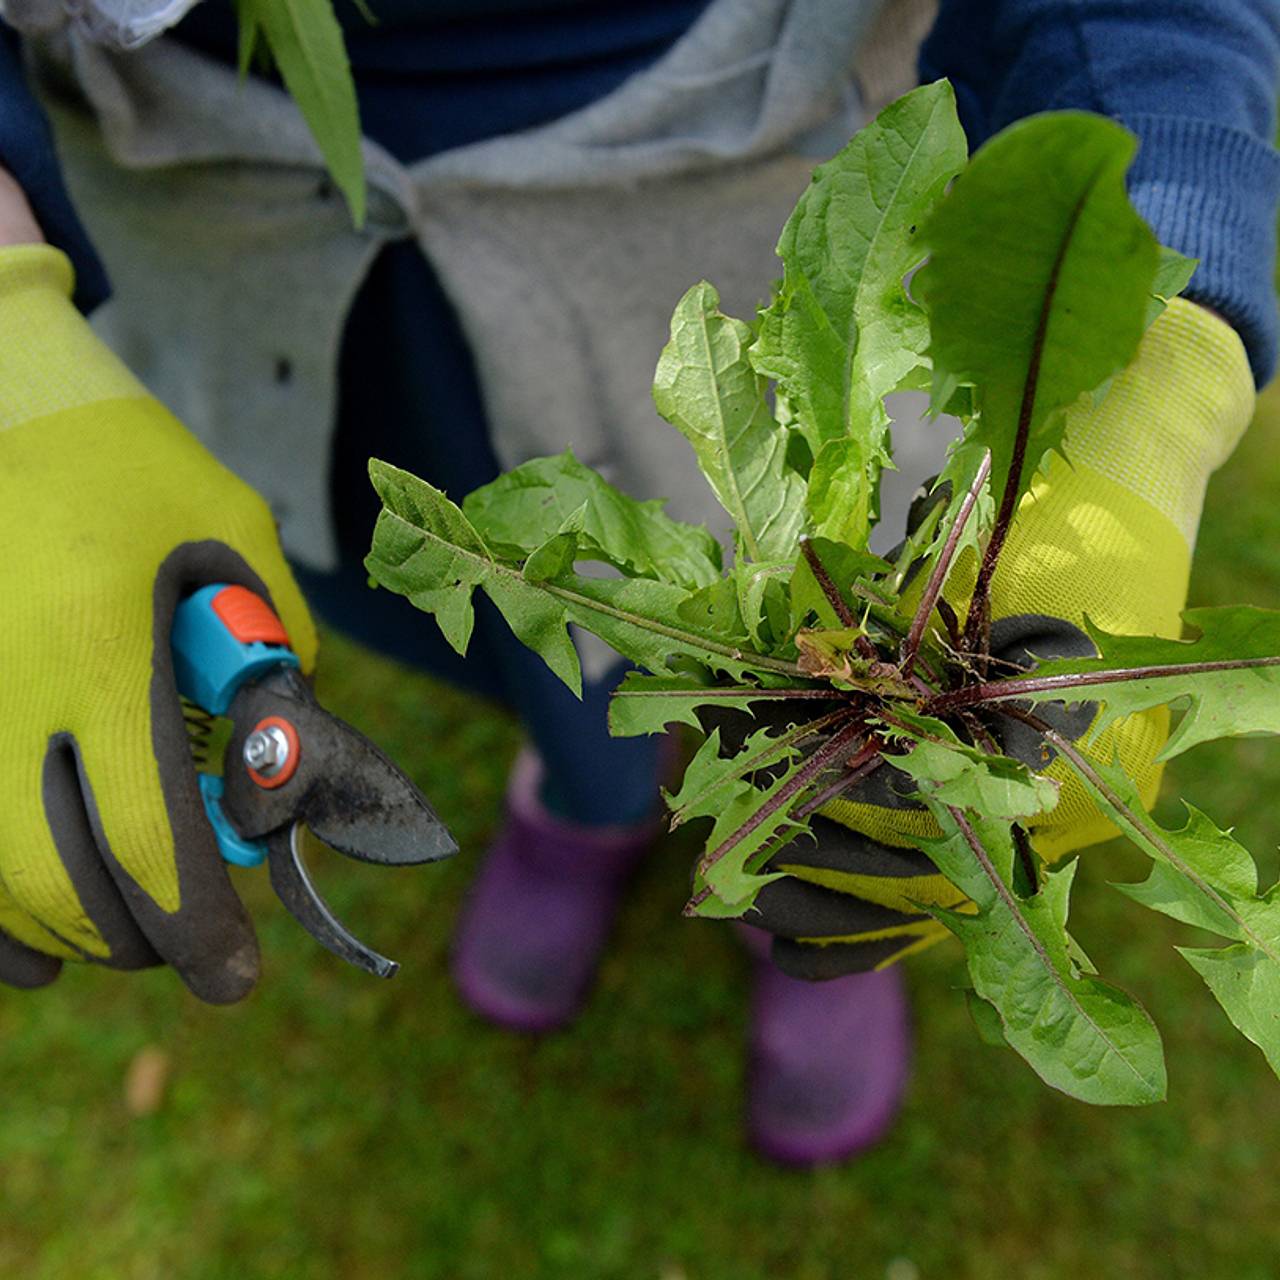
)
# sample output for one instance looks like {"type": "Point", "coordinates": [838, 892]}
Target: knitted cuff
{"type": "Point", "coordinates": [52, 359]}
{"type": "Point", "coordinates": [1172, 417]}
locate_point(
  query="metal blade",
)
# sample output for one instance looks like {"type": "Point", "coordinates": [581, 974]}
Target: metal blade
{"type": "Point", "coordinates": [293, 886]}
{"type": "Point", "coordinates": [345, 789]}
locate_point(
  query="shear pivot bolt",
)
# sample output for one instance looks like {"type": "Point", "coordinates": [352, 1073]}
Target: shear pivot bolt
{"type": "Point", "coordinates": [266, 751]}
{"type": "Point", "coordinates": [272, 750]}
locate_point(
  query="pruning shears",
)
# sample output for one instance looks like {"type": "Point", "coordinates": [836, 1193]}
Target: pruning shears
{"type": "Point", "coordinates": [282, 762]}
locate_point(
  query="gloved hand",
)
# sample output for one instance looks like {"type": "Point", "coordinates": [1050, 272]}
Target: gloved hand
{"type": "Point", "coordinates": [1109, 535]}
{"type": "Point", "coordinates": [109, 513]}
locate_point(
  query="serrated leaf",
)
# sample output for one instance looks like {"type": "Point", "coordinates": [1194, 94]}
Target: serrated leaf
{"type": "Point", "coordinates": [714, 787]}
{"type": "Point", "coordinates": [1079, 1034]}
{"type": "Point", "coordinates": [702, 776]}
{"type": "Point", "coordinates": [425, 548]}
{"type": "Point", "coordinates": [953, 773]}
{"type": "Point", "coordinates": [648, 704]}
{"type": "Point", "coordinates": [521, 509]}
{"type": "Point", "coordinates": [1247, 986]}
{"type": "Point", "coordinates": [1228, 677]}
{"type": "Point", "coordinates": [843, 331]}
{"type": "Point", "coordinates": [710, 779]}
{"type": "Point", "coordinates": [753, 824]}
{"type": "Point", "coordinates": [706, 388]}
{"type": "Point", "coordinates": [1223, 864]}
{"type": "Point", "coordinates": [306, 44]}
{"type": "Point", "coordinates": [1038, 279]}
{"type": "Point", "coordinates": [1203, 877]}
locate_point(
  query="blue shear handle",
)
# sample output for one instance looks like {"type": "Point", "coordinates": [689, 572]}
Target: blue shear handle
{"type": "Point", "coordinates": [233, 847]}
{"type": "Point", "coordinates": [210, 665]}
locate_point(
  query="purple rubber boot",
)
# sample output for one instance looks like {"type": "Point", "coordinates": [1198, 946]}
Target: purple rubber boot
{"type": "Point", "coordinates": [540, 910]}
{"type": "Point", "coordinates": [828, 1061]}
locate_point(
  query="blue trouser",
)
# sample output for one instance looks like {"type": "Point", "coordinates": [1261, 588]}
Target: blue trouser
{"type": "Point", "coordinates": [408, 393]}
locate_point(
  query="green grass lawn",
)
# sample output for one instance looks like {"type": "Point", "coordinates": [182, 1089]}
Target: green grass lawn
{"type": "Point", "coordinates": [336, 1126]}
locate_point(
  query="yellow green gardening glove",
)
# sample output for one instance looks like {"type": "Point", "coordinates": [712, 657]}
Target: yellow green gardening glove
{"type": "Point", "coordinates": [1107, 535]}
{"type": "Point", "coordinates": [110, 511]}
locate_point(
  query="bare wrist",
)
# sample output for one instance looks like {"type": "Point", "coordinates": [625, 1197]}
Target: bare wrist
{"type": "Point", "coordinates": [18, 224]}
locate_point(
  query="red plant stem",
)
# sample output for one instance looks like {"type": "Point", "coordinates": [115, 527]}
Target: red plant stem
{"type": "Point", "coordinates": [859, 766]}
{"type": "Point", "coordinates": [979, 602]}
{"type": "Point", "coordinates": [950, 621]}
{"type": "Point", "coordinates": [691, 907]}
{"type": "Point", "coordinates": [980, 734]}
{"type": "Point", "coordinates": [865, 648]}
{"type": "Point", "coordinates": [813, 767]}
{"type": "Point", "coordinates": [976, 622]}
{"type": "Point", "coordinates": [1002, 890]}
{"type": "Point", "coordinates": [1004, 690]}
{"type": "Point", "coordinates": [933, 589]}
{"type": "Point", "coordinates": [765, 756]}
{"type": "Point", "coordinates": [927, 671]}
{"type": "Point", "coordinates": [713, 694]}
{"type": "Point", "coordinates": [827, 583]}
{"type": "Point", "coordinates": [829, 589]}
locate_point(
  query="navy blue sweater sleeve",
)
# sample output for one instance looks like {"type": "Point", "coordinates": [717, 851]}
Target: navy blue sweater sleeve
{"type": "Point", "coordinates": [26, 150]}
{"type": "Point", "coordinates": [1196, 80]}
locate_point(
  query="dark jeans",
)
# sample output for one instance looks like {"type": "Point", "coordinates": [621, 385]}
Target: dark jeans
{"type": "Point", "coordinates": [408, 393]}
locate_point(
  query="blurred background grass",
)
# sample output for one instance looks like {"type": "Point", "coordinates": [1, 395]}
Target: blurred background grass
{"type": "Point", "coordinates": [335, 1126]}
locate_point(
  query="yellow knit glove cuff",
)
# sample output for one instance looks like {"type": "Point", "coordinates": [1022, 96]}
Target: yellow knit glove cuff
{"type": "Point", "coordinates": [52, 360]}
{"type": "Point", "coordinates": [1172, 418]}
